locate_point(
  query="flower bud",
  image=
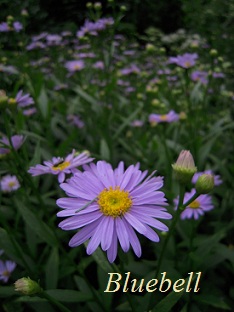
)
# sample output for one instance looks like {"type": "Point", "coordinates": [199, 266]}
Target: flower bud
{"type": "Point", "coordinates": [184, 167]}
{"type": "Point", "coordinates": [204, 184]}
{"type": "Point", "coordinates": [26, 286]}
{"type": "Point", "coordinates": [89, 5]}
{"type": "Point", "coordinates": [97, 5]}
{"type": "Point", "coordinates": [213, 52]}
{"type": "Point", "coordinates": [123, 8]}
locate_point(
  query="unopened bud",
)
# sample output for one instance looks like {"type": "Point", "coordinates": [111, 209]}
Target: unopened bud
{"type": "Point", "coordinates": [97, 5]}
{"type": "Point", "coordinates": [26, 286]}
{"type": "Point", "coordinates": [204, 184]}
{"type": "Point", "coordinates": [184, 167]}
{"type": "Point", "coordinates": [213, 52]}
{"type": "Point", "coordinates": [89, 5]}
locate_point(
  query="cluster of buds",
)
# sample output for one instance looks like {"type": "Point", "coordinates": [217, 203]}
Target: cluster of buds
{"type": "Point", "coordinates": [185, 168]}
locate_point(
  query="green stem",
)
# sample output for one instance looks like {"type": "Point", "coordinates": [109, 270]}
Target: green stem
{"type": "Point", "coordinates": [171, 230]}
{"type": "Point", "coordinates": [55, 302]}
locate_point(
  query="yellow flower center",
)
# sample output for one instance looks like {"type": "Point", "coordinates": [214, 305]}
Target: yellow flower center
{"type": "Point", "coordinates": [11, 184]}
{"type": "Point", "coordinates": [163, 117]}
{"type": "Point", "coordinates": [11, 101]}
{"type": "Point", "coordinates": [61, 166]}
{"type": "Point", "coordinates": [6, 273]}
{"type": "Point", "coordinates": [114, 202]}
{"type": "Point", "coordinates": [77, 67]}
{"type": "Point", "coordinates": [187, 64]}
{"type": "Point", "coordinates": [194, 205]}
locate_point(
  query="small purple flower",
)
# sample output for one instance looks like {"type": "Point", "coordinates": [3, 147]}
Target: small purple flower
{"type": "Point", "coordinates": [30, 111]}
{"type": "Point", "coordinates": [197, 208]}
{"type": "Point", "coordinates": [4, 27]}
{"type": "Point", "coordinates": [110, 205]}
{"type": "Point", "coordinates": [218, 75]}
{"type": "Point", "coordinates": [53, 39]}
{"type": "Point", "coordinates": [6, 268]}
{"type": "Point", "coordinates": [61, 86]}
{"type": "Point", "coordinates": [98, 65]}
{"type": "Point", "coordinates": [35, 45]}
{"type": "Point", "coordinates": [186, 60]}
{"type": "Point", "coordinates": [23, 100]}
{"type": "Point", "coordinates": [61, 167]}
{"type": "Point", "coordinates": [75, 120]}
{"type": "Point", "coordinates": [132, 69]}
{"type": "Point", "coordinates": [17, 26]}
{"type": "Point", "coordinates": [137, 123]}
{"type": "Point", "coordinates": [170, 117]}
{"type": "Point", "coordinates": [200, 76]}
{"type": "Point", "coordinates": [9, 183]}
{"type": "Point", "coordinates": [16, 140]}
{"type": "Point", "coordinates": [217, 178]}
{"type": "Point", "coordinates": [73, 66]}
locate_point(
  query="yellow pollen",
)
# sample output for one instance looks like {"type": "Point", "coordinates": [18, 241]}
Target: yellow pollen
{"type": "Point", "coordinates": [187, 64]}
{"type": "Point", "coordinates": [77, 67]}
{"type": "Point", "coordinates": [114, 202]}
{"type": "Point", "coordinates": [11, 101]}
{"type": "Point", "coordinates": [194, 205]}
{"type": "Point", "coordinates": [11, 184]}
{"type": "Point", "coordinates": [163, 117]}
{"type": "Point", "coordinates": [6, 273]}
{"type": "Point", "coordinates": [61, 166]}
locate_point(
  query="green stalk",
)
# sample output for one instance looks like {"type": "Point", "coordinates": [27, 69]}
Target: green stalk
{"type": "Point", "coordinates": [171, 230]}
{"type": "Point", "coordinates": [54, 302]}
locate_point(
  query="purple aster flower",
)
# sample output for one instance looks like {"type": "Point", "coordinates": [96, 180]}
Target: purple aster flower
{"type": "Point", "coordinates": [75, 120]}
{"type": "Point", "coordinates": [36, 45]}
{"type": "Point", "coordinates": [98, 65]}
{"type": "Point", "coordinates": [53, 39]}
{"type": "Point", "coordinates": [9, 183]}
{"type": "Point", "coordinates": [84, 55]}
{"type": "Point", "coordinates": [132, 69]}
{"type": "Point", "coordinates": [197, 208]}
{"type": "Point", "coordinates": [137, 123]}
{"type": "Point", "coordinates": [218, 75]}
{"type": "Point", "coordinates": [61, 86]}
{"type": "Point", "coordinates": [17, 26]}
{"type": "Point", "coordinates": [186, 60]}
{"type": "Point", "coordinates": [170, 117]}
{"type": "Point", "coordinates": [16, 140]}
{"type": "Point", "coordinates": [5, 270]}
{"type": "Point", "coordinates": [217, 178]}
{"type": "Point", "coordinates": [29, 111]}
{"type": "Point", "coordinates": [110, 205]}
{"type": "Point", "coordinates": [23, 100]}
{"type": "Point", "coordinates": [200, 76]}
{"type": "Point", "coordinates": [4, 27]}
{"type": "Point", "coordinates": [73, 66]}
{"type": "Point", "coordinates": [61, 167]}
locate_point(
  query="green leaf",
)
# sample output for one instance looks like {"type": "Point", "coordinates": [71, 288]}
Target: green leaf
{"type": "Point", "coordinates": [36, 224]}
{"type": "Point", "coordinates": [104, 150]}
{"type": "Point", "coordinates": [168, 302]}
{"type": "Point", "coordinates": [43, 103]}
{"type": "Point", "coordinates": [126, 122]}
{"type": "Point", "coordinates": [66, 295]}
{"type": "Point", "coordinates": [91, 100]}
{"type": "Point", "coordinates": [101, 259]}
{"type": "Point", "coordinates": [14, 250]}
{"type": "Point", "coordinates": [51, 269]}
{"type": "Point", "coordinates": [213, 301]}
{"type": "Point", "coordinates": [7, 291]}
